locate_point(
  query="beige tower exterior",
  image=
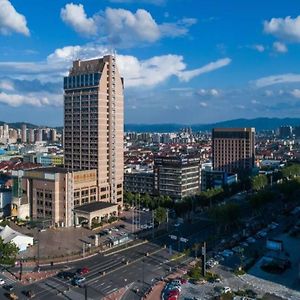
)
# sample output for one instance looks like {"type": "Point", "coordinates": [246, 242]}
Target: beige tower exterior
{"type": "Point", "coordinates": [93, 119]}
{"type": "Point", "coordinates": [24, 133]}
{"type": "Point", "coordinates": [233, 149]}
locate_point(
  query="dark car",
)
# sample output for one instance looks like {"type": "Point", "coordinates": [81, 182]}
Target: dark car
{"type": "Point", "coordinates": [29, 293]}
{"type": "Point", "coordinates": [66, 275]}
{"type": "Point", "coordinates": [8, 287]}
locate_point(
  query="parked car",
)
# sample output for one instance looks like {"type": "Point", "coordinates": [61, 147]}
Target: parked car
{"type": "Point", "coordinates": [226, 290]}
{"type": "Point", "coordinates": [2, 282]}
{"type": "Point", "coordinates": [29, 293]}
{"type": "Point", "coordinates": [8, 287]}
{"type": "Point", "coordinates": [251, 240]}
{"type": "Point", "coordinates": [66, 275]}
{"type": "Point", "coordinates": [78, 280]}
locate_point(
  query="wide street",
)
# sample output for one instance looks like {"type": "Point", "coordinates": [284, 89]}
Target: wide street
{"type": "Point", "coordinates": [108, 273]}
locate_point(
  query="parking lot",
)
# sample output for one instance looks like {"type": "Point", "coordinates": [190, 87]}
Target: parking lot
{"type": "Point", "coordinates": [59, 242]}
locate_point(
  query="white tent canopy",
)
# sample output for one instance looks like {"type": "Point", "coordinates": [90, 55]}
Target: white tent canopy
{"type": "Point", "coordinates": [21, 240]}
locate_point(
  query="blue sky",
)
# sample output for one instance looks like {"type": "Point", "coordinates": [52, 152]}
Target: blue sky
{"type": "Point", "coordinates": [184, 61]}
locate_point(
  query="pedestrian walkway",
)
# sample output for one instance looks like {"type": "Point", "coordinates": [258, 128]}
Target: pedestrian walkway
{"type": "Point", "coordinates": [156, 290]}
{"type": "Point", "coordinates": [116, 295]}
{"type": "Point", "coordinates": [28, 277]}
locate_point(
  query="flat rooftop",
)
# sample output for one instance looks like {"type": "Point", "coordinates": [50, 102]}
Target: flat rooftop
{"type": "Point", "coordinates": [94, 206]}
{"type": "Point", "coordinates": [51, 170]}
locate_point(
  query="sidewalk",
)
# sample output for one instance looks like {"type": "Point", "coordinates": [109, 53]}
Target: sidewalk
{"type": "Point", "coordinates": [30, 277]}
{"type": "Point", "coordinates": [157, 289]}
{"type": "Point", "coordinates": [117, 295]}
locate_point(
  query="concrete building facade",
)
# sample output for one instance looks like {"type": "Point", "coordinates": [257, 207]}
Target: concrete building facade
{"type": "Point", "coordinates": [93, 117]}
{"type": "Point", "coordinates": [176, 176]}
{"type": "Point", "coordinates": [233, 149]}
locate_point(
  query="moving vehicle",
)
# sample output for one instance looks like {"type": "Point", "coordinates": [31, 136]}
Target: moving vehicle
{"type": "Point", "coordinates": [78, 280]}
{"type": "Point", "coordinates": [83, 271]}
{"type": "Point", "coordinates": [29, 294]}
{"type": "Point", "coordinates": [66, 275]}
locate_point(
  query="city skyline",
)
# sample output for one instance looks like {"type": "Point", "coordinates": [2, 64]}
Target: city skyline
{"type": "Point", "coordinates": [182, 62]}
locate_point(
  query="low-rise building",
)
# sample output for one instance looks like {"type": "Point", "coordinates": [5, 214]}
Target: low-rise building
{"type": "Point", "coordinates": [176, 176]}
{"type": "Point", "coordinates": [139, 182]}
{"type": "Point", "coordinates": [54, 194]}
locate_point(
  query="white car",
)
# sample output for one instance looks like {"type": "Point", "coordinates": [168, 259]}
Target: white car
{"type": "Point", "coordinates": [2, 282]}
{"type": "Point", "coordinates": [226, 289]}
{"type": "Point", "coordinates": [227, 253]}
{"type": "Point", "coordinates": [251, 240]}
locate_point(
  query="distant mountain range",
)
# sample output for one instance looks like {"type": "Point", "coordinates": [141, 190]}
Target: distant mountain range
{"type": "Point", "coordinates": [258, 123]}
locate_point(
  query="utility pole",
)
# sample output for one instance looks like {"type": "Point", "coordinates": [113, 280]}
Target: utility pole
{"type": "Point", "coordinates": [153, 223]}
{"type": "Point", "coordinates": [21, 269]}
{"type": "Point", "coordinates": [85, 292]}
{"type": "Point", "coordinates": [38, 240]}
{"type": "Point", "coordinates": [203, 259]}
{"type": "Point", "coordinates": [143, 261]}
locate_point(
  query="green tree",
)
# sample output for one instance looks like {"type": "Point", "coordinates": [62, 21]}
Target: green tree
{"type": "Point", "coordinates": [226, 215]}
{"type": "Point", "coordinates": [258, 182]}
{"type": "Point", "coordinates": [8, 252]}
{"type": "Point", "coordinates": [160, 215]}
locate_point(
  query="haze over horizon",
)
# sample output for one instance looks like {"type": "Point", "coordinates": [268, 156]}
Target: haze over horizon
{"type": "Point", "coordinates": [184, 62]}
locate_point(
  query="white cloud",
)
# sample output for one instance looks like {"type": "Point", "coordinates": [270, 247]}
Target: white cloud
{"type": "Point", "coordinates": [155, 2]}
{"type": "Point", "coordinates": [259, 48]}
{"type": "Point", "coordinates": [188, 75]}
{"type": "Point", "coordinates": [203, 104]}
{"type": "Point", "coordinates": [295, 93]}
{"type": "Point", "coordinates": [280, 47]}
{"type": "Point", "coordinates": [137, 73]}
{"type": "Point", "coordinates": [268, 93]}
{"type": "Point", "coordinates": [75, 16]}
{"type": "Point", "coordinates": [255, 101]}
{"type": "Point", "coordinates": [34, 99]}
{"type": "Point", "coordinates": [208, 92]}
{"type": "Point", "coordinates": [121, 27]}
{"type": "Point", "coordinates": [277, 79]}
{"type": "Point", "coordinates": [177, 107]}
{"type": "Point", "coordinates": [287, 29]}
{"type": "Point", "coordinates": [11, 21]}
{"type": "Point", "coordinates": [6, 85]}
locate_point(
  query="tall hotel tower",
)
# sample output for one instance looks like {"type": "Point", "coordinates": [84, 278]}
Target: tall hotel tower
{"type": "Point", "coordinates": [93, 119]}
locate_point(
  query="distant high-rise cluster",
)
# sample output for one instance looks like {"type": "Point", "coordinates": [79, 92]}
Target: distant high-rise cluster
{"type": "Point", "coordinates": [27, 135]}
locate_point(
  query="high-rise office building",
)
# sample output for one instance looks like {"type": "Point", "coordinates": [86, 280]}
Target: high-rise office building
{"type": "Point", "coordinates": [233, 149]}
{"type": "Point", "coordinates": [52, 137]}
{"type": "Point", "coordinates": [285, 132]}
{"type": "Point", "coordinates": [5, 131]}
{"type": "Point", "coordinates": [24, 133]}
{"type": "Point", "coordinates": [31, 136]}
{"type": "Point", "coordinates": [93, 119]}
